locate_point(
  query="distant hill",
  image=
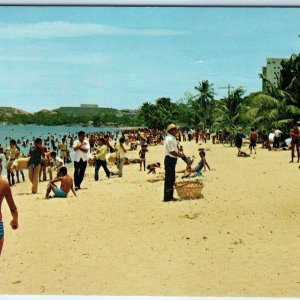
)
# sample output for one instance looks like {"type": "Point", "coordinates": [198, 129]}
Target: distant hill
{"type": "Point", "coordinates": [6, 112]}
{"type": "Point", "coordinates": [93, 111]}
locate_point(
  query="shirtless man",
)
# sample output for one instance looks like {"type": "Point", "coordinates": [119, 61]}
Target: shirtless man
{"type": "Point", "coordinates": [142, 155]}
{"type": "Point", "coordinates": [5, 191]}
{"type": "Point", "coordinates": [65, 187]}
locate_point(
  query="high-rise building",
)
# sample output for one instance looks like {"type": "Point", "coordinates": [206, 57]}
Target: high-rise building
{"type": "Point", "coordinates": [272, 71]}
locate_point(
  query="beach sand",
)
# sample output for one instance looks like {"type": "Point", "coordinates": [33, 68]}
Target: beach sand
{"type": "Point", "coordinates": [118, 237]}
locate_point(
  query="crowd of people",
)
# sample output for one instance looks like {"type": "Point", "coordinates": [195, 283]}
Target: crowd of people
{"type": "Point", "coordinates": [50, 159]}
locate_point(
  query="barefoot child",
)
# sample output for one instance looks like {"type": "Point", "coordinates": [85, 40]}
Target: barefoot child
{"type": "Point", "coordinates": [152, 168]}
{"type": "Point", "coordinates": [253, 140]}
{"type": "Point", "coordinates": [65, 187]}
{"type": "Point", "coordinates": [142, 155]}
{"type": "Point", "coordinates": [201, 165]}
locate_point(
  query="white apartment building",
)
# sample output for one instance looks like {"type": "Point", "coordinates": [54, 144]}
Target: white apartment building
{"type": "Point", "coordinates": [272, 71]}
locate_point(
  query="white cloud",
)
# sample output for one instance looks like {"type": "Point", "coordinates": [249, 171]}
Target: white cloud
{"type": "Point", "coordinates": [64, 29]}
{"type": "Point", "coordinates": [199, 61]}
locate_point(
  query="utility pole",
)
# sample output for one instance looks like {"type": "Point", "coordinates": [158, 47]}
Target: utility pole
{"type": "Point", "coordinates": [229, 87]}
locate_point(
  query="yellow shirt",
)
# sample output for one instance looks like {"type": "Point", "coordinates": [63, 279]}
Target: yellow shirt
{"type": "Point", "coordinates": [11, 153]}
{"type": "Point", "coordinates": [101, 152]}
{"type": "Point", "coordinates": [120, 151]}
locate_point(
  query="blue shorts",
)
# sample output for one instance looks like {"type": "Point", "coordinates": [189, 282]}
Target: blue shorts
{"type": "Point", "coordinates": [198, 168]}
{"type": "Point", "coordinates": [59, 193]}
{"type": "Point", "coordinates": [1, 230]}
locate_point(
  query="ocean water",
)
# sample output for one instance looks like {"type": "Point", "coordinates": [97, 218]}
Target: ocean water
{"type": "Point", "coordinates": [30, 132]}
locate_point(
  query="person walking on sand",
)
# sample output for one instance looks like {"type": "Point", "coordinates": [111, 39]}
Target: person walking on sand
{"type": "Point", "coordinates": [11, 154]}
{"type": "Point", "coordinates": [239, 140]}
{"type": "Point", "coordinates": [36, 153]}
{"type": "Point", "coordinates": [82, 148]}
{"type": "Point", "coordinates": [101, 152]}
{"type": "Point", "coordinates": [120, 149]}
{"type": "Point", "coordinates": [63, 147]}
{"type": "Point", "coordinates": [253, 140]}
{"type": "Point", "coordinates": [5, 191]}
{"type": "Point", "coordinates": [65, 187]}
{"type": "Point", "coordinates": [171, 154]}
{"type": "Point", "coordinates": [294, 134]}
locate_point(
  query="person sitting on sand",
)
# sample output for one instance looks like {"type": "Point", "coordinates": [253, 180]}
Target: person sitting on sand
{"type": "Point", "coordinates": [5, 191]}
{"type": "Point", "coordinates": [66, 185]}
{"type": "Point", "coordinates": [142, 155]}
{"type": "Point", "coordinates": [152, 168]}
{"type": "Point", "coordinates": [243, 154]}
{"type": "Point", "coordinates": [201, 165]}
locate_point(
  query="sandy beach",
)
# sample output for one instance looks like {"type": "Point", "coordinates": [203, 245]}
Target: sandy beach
{"type": "Point", "coordinates": [118, 237]}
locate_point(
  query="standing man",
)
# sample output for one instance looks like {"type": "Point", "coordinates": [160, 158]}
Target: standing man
{"type": "Point", "coordinates": [239, 140]}
{"type": "Point", "coordinates": [277, 136]}
{"type": "Point", "coordinates": [101, 159]}
{"type": "Point", "coordinates": [121, 150]}
{"type": "Point", "coordinates": [5, 191]}
{"type": "Point", "coordinates": [171, 155]}
{"type": "Point", "coordinates": [81, 148]}
{"type": "Point", "coordinates": [36, 153]}
{"type": "Point", "coordinates": [11, 154]}
{"type": "Point", "coordinates": [294, 134]}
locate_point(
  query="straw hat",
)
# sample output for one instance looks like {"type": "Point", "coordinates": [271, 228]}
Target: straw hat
{"type": "Point", "coordinates": [171, 126]}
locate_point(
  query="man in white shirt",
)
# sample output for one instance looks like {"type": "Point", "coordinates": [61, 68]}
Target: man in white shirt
{"type": "Point", "coordinates": [82, 149]}
{"type": "Point", "coordinates": [55, 164]}
{"type": "Point", "coordinates": [277, 136]}
{"type": "Point", "coordinates": [171, 155]}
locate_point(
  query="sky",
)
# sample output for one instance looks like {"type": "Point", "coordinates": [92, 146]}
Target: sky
{"type": "Point", "coordinates": [121, 57]}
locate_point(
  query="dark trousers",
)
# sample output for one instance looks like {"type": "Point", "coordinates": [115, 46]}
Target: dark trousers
{"type": "Point", "coordinates": [100, 163]}
{"type": "Point", "coordinates": [79, 172]}
{"type": "Point", "coordinates": [276, 142]}
{"type": "Point", "coordinates": [170, 164]}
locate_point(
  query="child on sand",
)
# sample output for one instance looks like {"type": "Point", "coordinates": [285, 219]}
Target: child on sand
{"type": "Point", "coordinates": [253, 140]}
{"type": "Point", "coordinates": [66, 185]}
{"type": "Point", "coordinates": [243, 154]}
{"type": "Point", "coordinates": [152, 168]}
{"type": "Point", "coordinates": [201, 165]}
{"type": "Point", "coordinates": [142, 155]}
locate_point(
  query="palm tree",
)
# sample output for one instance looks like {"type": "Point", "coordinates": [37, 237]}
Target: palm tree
{"type": "Point", "coordinates": [280, 105]}
{"type": "Point", "coordinates": [202, 102]}
{"type": "Point", "coordinates": [230, 111]}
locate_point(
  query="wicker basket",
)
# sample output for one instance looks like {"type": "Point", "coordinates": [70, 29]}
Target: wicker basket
{"type": "Point", "coordinates": [189, 189]}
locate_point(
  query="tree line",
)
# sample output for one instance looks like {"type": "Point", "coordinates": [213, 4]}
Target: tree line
{"type": "Point", "coordinates": [276, 107]}
{"type": "Point", "coordinates": [97, 120]}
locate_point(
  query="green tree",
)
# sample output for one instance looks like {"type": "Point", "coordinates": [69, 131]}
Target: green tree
{"type": "Point", "coordinates": [202, 103]}
{"type": "Point", "coordinates": [230, 112]}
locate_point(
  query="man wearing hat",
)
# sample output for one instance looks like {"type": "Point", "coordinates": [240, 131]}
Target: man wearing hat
{"type": "Point", "coordinates": [171, 155]}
